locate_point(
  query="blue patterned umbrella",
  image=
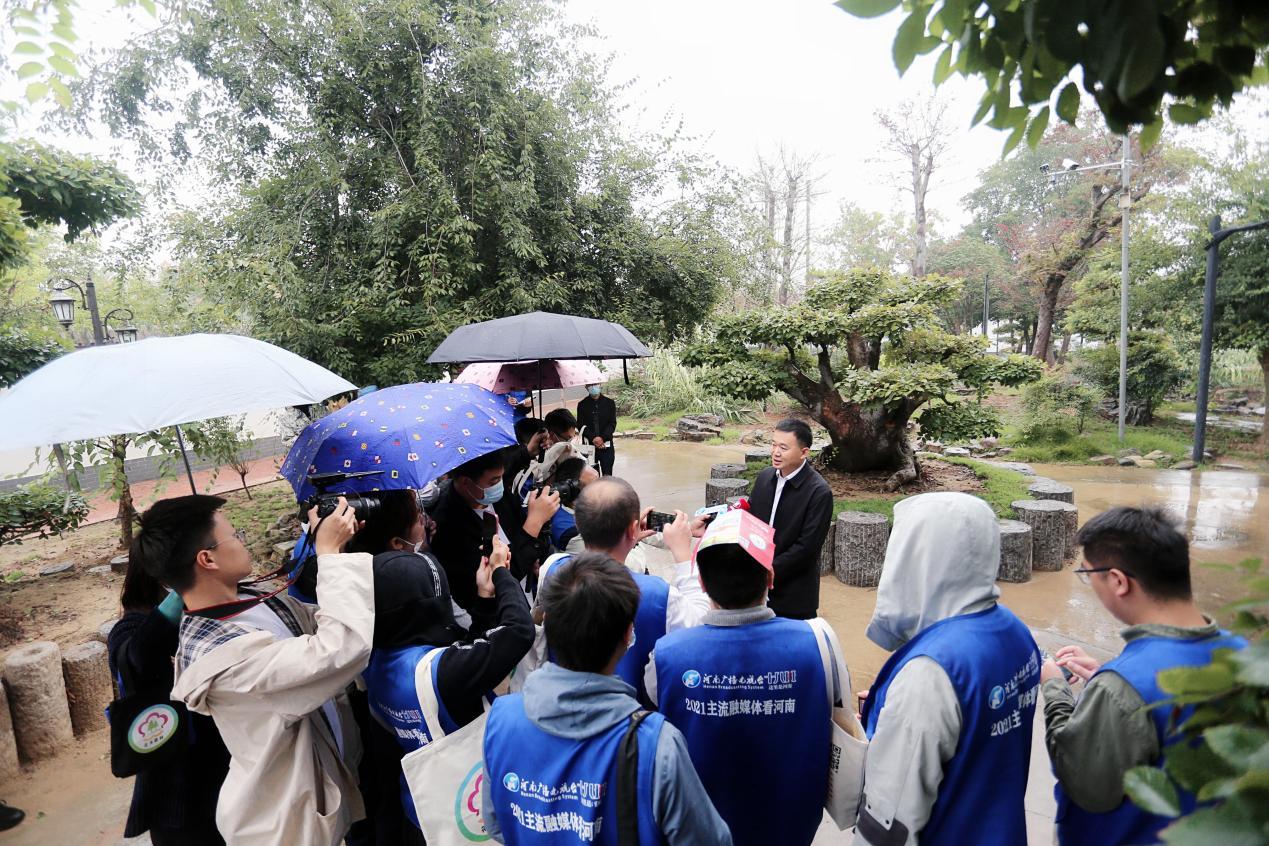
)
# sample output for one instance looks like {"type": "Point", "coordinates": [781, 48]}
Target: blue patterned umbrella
{"type": "Point", "coordinates": [413, 433]}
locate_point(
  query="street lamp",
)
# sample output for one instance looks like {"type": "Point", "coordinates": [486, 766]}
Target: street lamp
{"type": "Point", "coordinates": [64, 310]}
{"type": "Point", "coordinates": [1124, 164]}
{"type": "Point", "coordinates": [125, 334]}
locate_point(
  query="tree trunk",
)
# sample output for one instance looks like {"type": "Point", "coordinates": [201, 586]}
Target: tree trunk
{"type": "Point", "coordinates": [1264, 377]}
{"type": "Point", "coordinates": [126, 513]}
{"type": "Point", "coordinates": [769, 198]}
{"type": "Point", "coordinates": [1044, 321]}
{"type": "Point", "coordinates": [867, 439]}
{"type": "Point", "coordinates": [920, 185]}
{"type": "Point", "coordinates": [790, 212]}
{"type": "Point", "coordinates": [1065, 348]}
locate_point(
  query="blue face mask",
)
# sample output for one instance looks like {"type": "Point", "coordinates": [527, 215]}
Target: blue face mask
{"type": "Point", "coordinates": [493, 493]}
{"type": "Point", "coordinates": [594, 390]}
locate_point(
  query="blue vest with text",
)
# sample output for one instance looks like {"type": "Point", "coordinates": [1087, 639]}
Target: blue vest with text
{"type": "Point", "coordinates": [547, 789]}
{"type": "Point", "coordinates": [752, 702]}
{"type": "Point", "coordinates": [392, 691]}
{"type": "Point", "coordinates": [1139, 665]}
{"type": "Point", "coordinates": [994, 666]}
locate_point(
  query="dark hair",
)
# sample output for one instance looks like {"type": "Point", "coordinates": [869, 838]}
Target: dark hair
{"type": "Point", "coordinates": [560, 421]}
{"type": "Point", "coordinates": [141, 591]}
{"type": "Point", "coordinates": [398, 512]}
{"type": "Point", "coordinates": [604, 510]}
{"type": "Point", "coordinates": [588, 604]}
{"type": "Point", "coordinates": [527, 428]}
{"type": "Point", "coordinates": [1145, 544]}
{"type": "Point", "coordinates": [798, 429]}
{"type": "Point", "coordinates": [477, 467]}
{"type": "Point", "coordinates": [731, 576]}
{"type": "Point", "coordinates": [569, 469]}
{"type": "Point", "coordinates": [173, 532]}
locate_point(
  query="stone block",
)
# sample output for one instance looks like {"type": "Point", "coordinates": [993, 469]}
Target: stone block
{"type": "Point", "coordinates": [89, 687]}
{"type": "Point", "coordinates": [1184, 465]}
{"type": "Point", "coordinates": [1049, 489]}
{"type": "Point", "coordinates": [829, 550]}
{"type": "Point", "coordinates": [57, 569]}
{"type": "Point", "coordinates": [726, 471]}
{"type": "Point", "coordinates": [10, 767]}
{"type": "Point", "coordinates": [1049, 528]}
{"type": "Point", "coordinates": [37, 700]}
{"type": "Point", "coordinates": [860, 547]}
{"type": "Point", "coordinates": [718, 491]}
{"type": "Point", "coordinates": [1102, 459]}
{"type": "Point", "coordinates": [757, 456]}
{"type": "Point", "coordinates": [1015, 551]}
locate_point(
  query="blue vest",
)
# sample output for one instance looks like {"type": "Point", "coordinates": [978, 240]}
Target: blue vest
{"type": "Point", "coordinates": [561, 521]}
{"type": "Point", "coordinates": [1139, 665]}
{"type": "Point", "coordinates": [752, 702]}
{"type": "Point", "coordinates": [550, 790]}
{"type": "Point", "coordinates": [994, 666]}
{"type": "Point", "coordinates": [393, 697]}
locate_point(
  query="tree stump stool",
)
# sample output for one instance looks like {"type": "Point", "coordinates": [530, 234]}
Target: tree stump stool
{"type": "Point", "coordinates": [828, 552]}
{"type": "Point", "coordinates": [1015, 551]}
{"type": "Point", "coordinates": [1049, 526]}
{"type": "Point", "coordinates": [89, 688]}
{"type": "Point", "coordinates": [103, 631]}
{"type": "Point", "coordinates": [1072, 518]}
{"type": "Point", "coordinates": [37, 700]}
{"type": "Point", "coordinates": [726, 471]}
{"type": "Point", "coordinates": [860, 546]}
{"type": "Point", "coordinates": [9, 766]}
{"type": "Point", "coordinates": [1049, 489]}
{"type": "Point", "coordinates": [757, 456]}
{"type": "Point", "coordinates": [718, 491]}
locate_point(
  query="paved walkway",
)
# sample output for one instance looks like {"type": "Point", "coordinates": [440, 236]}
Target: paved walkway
{"type": "Point", "coordinates": [145, 494]}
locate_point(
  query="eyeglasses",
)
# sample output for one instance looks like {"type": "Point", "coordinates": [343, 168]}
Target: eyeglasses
{"type": "Point", "coordinates": [240, 535]}
{"type": "Point", "coordinates": [1083, 573]}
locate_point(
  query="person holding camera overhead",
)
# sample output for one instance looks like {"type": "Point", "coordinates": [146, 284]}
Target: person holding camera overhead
{"type": "Point", "coordinates": [271, 671]}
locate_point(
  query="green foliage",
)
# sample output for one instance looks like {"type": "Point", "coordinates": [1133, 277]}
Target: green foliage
{"type": "Point", "coordinates": [221, 440]}
{"type": "Point", "coordinates": [1131, 56]}
{"type": "Point", "coordinates": [1056, 408]}
{"type": "Point", "coordinates": [44, 186]}
{"type": "Point", "coordinates": [1234, 369]}
{"type": "Point", "coordinates": [1221, 754]}
{"type": "Point", "coordinates": [954, 422]}
{"type": "Point", "coordinates": [41, 510]}
{"type": "Point", "coordinates": [1242, 292]}
{"type": "Point", "coordinates": [666, 386]}
{"type": "Point", "coordinates": [21, 352]}
{"type": "Point", "coordinates": [1154, 369]}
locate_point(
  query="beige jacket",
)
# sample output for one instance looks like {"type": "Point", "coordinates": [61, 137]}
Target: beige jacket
{"type": "Point", "coordinates": [287, 783]}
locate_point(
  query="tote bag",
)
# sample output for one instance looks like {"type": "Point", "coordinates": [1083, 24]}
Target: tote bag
{"type": "Point", "coordinates": [446, 775]}
{"type": "Point", "coordinates": [848, 746]}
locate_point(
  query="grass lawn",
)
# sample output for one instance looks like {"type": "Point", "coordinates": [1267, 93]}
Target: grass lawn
{"type": "Point", "coordinates": [1101, 437]}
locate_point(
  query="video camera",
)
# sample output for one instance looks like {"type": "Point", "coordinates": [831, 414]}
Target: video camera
{"type": "Point", "coordinates": [366, 506]}
{"type": "Point", "coordinates": [568, 489]}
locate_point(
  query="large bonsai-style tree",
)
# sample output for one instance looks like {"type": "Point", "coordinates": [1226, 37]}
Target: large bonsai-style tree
{"type": "Point", "coordinates": [862, 352]}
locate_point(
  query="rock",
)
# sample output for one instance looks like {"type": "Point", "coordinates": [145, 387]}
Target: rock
{"type": "Point", "coordinates": [1124, 453]}
{"type": "Point", "coordinates": [1154, 455]}
{"type": "Point", "coordinates": [103, 631]}
{"type": "Point", "coordinates": [643, 436]}
{"type": "Point", "coordinates": [819, 446]}
{"type": "Point", "coordinates": [1102, 459]}
{"type": "Point", "coordinates": [1184, 465]}
{"type": "Point", "coordinates": [119, 563]}
{"type": "Point", "coordinates": [1260, 409]}
{"type": "Point", "coordinates": [860, 547]}
{"type": "Point", "coordinates": [828, 552]}
{"type": "Point", "coordinates": [101, 570]}
{"type": "Point", "coordinates": [990, 454]}
{"type": "Point", "coordinates": [1049, 489]}
{"type": "Point", "coordinates": [37, 700]}
{"type": "Point", "coordinates": [56, 569]}
{"type": "Point", "coordinates": [694, 437]}
{"type": "Point", "coordinates": [284, 548]}
{"type": "Point", "coordinates": [718, 491]}
{"type": "Point", "coordinates": [961, 451]}
{"type": "Point", "coordinates": [1229, 465]}
{"type": "Point", "coordinates": [933, 446]}
{"type": "Point", "coordinates": [89, 688]}
{"type": "Point", "coordinates": [1015, 551]}
{"type": "Point", "coordinates": [1016, 466]}
{"type": "Point", "coordinates": [1004, 450]}
{"type": "Point", "coordinates": [1049, 527]}
{"type": "Point", "coordinates": [1138, 461]}
{"type": "Point", "coordinates": [757, 456]}
{"type": "Point", "coordinates": [10, 767]}
{"type": "Point", "coordinates": [974, 446]}
{"type": "Point", "coordinates": [726, 471]}
{"type": "Point", "coordinates": [989, 443]}
{"type": "Point", "coordinates": [1126, 461]}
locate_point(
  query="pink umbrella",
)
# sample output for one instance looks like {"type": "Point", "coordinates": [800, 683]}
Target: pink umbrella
{"type": "Point", "coordinates": [503, 376]}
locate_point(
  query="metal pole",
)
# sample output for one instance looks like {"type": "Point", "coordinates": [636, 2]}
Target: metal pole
{"type": "Point", "coordinates": [1125, 202]}
{"type": "Point", "coordinates": [1205, 346]}
{"type": "Point", "coordinates": [185, 457]}
{"type": "Point", "coordinates": [90, 294]}
{"type": "Point", "coordinates": [986, 299]}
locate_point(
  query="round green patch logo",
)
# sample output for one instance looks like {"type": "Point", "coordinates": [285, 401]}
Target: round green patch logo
{"type": "Point", "coordinates": [152, 728]}
{"type": "Point", "coordinates": [467, 805]}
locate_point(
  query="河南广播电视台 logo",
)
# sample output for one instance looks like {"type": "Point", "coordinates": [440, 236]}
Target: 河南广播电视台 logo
{"type": "Point", "coordinates": [997, 697]}
{"type": "Point", "coordinates": [691, 678]}
{"type": "Point", "coordinates": [511, 781]}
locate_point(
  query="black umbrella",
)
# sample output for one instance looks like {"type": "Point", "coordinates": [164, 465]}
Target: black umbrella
{"type": "Point", "coordinates": [538, 335]}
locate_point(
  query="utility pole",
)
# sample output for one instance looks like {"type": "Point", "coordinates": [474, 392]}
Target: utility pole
{"type": "Point", "coordinates": [1125, 203]}
{"type": "Point", "coordinates": [986, 306]}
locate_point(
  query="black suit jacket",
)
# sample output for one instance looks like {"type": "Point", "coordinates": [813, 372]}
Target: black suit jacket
{"type": "Point", "coordinates": [801, 524]}
{"type": "Point", "coordinates": [598, 419]}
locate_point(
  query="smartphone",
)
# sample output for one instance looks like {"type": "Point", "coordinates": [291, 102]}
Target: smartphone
{"type": "Point", "coordinates": [658, 520]}
{"type": "Point", "coordinates": [1067, 674]}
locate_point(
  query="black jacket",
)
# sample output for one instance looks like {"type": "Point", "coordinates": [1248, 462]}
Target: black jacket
{"type": "Point", "coordinates": [598, 419]}
{"type": "Point", "coordinates": [801, 524]}
{"type": "Point", "coordinates": [460, 534]}
{"type": "Point", "coordinates": [182, 794]}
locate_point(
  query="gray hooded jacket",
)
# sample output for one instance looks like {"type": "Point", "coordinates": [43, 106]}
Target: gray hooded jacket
{"type": "Point", "coordinates": [581, 705]}
{"type": "Point", "coordinates": [941, 562]}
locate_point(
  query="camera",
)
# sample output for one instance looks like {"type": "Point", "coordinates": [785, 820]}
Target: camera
{"type": "Point", "coordinates": [568, 489]}
{"type": "Point", "coordinates": [365, 506]}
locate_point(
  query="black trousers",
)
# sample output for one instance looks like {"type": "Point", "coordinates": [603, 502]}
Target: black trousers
{"type": "Point", "coordinates": [605, 457]}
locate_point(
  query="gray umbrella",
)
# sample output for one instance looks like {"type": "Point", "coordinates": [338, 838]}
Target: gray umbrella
{"type": "Point", "coordinates": [538, 335]}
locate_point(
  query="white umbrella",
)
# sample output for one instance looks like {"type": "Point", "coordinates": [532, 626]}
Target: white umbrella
{"type": "Point", "coordinates": [120, 389]}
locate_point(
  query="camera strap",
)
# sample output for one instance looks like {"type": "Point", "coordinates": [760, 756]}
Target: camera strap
{"type": "Point", "coordinates": [229, 609]}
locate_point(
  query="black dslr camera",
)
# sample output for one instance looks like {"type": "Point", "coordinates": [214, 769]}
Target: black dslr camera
{"type": "Point", "coordinates": [366, 506]}
{"type": "Point", "coordinates": [568, 489]}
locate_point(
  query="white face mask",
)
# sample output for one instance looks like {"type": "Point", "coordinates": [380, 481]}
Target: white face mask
{"type": "Point", "coordinates": [415, 547]}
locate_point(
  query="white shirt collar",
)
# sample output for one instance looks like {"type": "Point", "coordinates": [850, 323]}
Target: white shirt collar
{"type": "Point", "coordinates": [785, 478]}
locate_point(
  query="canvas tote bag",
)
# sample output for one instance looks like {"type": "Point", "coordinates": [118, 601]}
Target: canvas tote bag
{"type": "Point", "coordinates": [446, 775]}
{"type": "Point", "coordinates": [848, 745]}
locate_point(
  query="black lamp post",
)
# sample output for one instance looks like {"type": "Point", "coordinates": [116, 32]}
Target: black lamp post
{"type": "Point", "coordinates": [64, 310]}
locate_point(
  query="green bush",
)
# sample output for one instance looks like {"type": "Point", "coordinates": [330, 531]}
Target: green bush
{"type": "Point", "coordinates": [667, 386]}
{"type": "Point", "coordinates": [959, 421]}
{"type": "Point", "coordinates": [41, 510]}
{"type": "Point", "coordinates": [1222, 749]}
{"type": "Point", "coordinates": [1055, 409]}
{"type": "Point", "coordinates": [1154, 369]}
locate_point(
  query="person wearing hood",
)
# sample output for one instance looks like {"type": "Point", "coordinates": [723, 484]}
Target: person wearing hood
{"type": "Point", "coordinates": [414, 617]}
{"type": "Point", "coordinates": [597, 414]}
{"type": "Point", "coordinates": [552, 762]}
{"type": "Point", "coordinates": [950, 714]}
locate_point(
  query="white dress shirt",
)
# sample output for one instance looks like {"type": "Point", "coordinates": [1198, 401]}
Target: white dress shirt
{"type": "Point", "coordinates": [781, 479]}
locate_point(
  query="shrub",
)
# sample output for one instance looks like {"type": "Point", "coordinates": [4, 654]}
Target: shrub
{"type": "Point", "coordinates": [1154, 369]}
{"type": "Point", "coordinates": [1055, 408]}
{"type": "Point", "coordinates": [959, 421]}
{"type": "Point", "coordinates": [667, 386]}
{"type": "Point", "coordinates": [39, 509]}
